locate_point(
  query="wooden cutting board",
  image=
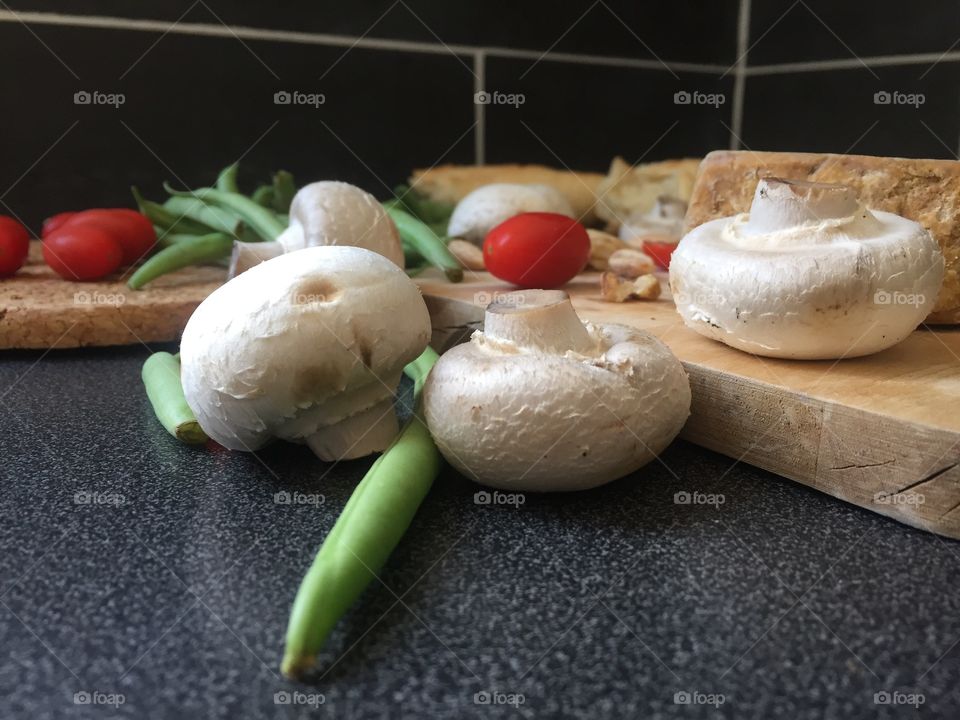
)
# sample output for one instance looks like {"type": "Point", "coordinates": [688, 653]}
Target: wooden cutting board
{"type": "Point", "coordinates": [39, 309]}
{"type": "Point", "coordinates": [882, 432]}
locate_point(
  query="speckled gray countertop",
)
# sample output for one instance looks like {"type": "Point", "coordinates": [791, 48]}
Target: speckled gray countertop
{"type": "Point", "coordinates": [134, 569]}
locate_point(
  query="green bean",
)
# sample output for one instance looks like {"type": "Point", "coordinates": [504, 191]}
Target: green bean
{"type": "Point", "coordinates": [218, 219]}
{"type": "Point", "coordinates": [165, 219]}
{"type": "Point", "coordinates": [263, 221]}
{"type": "Point", "coordinates": [161, 378]}
{"type": "Point", "coordinates": [263, 195]}
{"type": "Point", "coordinates": [434, 213]}
{"type": "Point", "coordinates": [227, 179]}
{"type": "Point", "coordinates": [426, 242]}
{"type": "Point", "coordinates": [284, 189]}
{"type": "Point", "coordinates": [371, 525]}
{"type": "Point", "coordinates": [184, 253]}
{"type": "Point", "coordinates": [167, 239]}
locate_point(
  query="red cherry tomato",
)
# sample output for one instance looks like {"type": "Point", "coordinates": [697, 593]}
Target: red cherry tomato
{"type": "Point", "coordinates": [537, 250]}
{"type": "Point", "coordinates": [82, 252]}
{"type": "Point", "coordinates": [14, 245]}
{"type": "Point", "coordinates": [54, 221]}
{"type": "Point", "coordinates": [661, 252]}
{"type": "Point", "coordinates": [131, 230]}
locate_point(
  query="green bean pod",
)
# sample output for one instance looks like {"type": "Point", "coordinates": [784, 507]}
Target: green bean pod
{"type": "Point", "coordinates": [260, 219]}
{"type": "Point", "coordinates": [284, 189]}
{"type": "Point", "coordinates": [161, 378]}
{"type": "Point", "coordinates": [263, 196]}
{"type": "Point", "coordinates": [218, 219]}
{"type": "Point", "coordinates": [227, 179]}
{"type": "Point", "coordinates": [186, 252]}
{"type": "Point", "coordinates": [426, 242]}
{"type": "Point", "coordinates": [371, 525]}
{"type": "Point", "coordinates": [163, 218]}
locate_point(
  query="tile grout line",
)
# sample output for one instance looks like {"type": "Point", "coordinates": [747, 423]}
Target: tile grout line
{"type": "Point", "coordinates": [311, 38]}
{"type": "Point", "coordinates": [854, 63]}
{"type": "Point", "coordinates": [740, 75]}
{"type": "Point", "coordinates": [479, 109]}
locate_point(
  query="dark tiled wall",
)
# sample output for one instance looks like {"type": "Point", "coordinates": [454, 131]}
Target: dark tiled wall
{"type": "Point", "coordinates": [572, 84]}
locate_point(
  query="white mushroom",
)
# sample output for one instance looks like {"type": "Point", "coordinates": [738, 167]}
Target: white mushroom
{"type": "Point", "coordinates": [307, 347]}
{"type": "Point", "coordinates": [327, 213]}
{"type": "Point", "coordinates": [663, 222]}
{"type": "Point", "coordinates": [489, 205]}
{"type": "Point", "coordinates": [541, 401]}
{"type": "Point", "coordinates": [807, 273]}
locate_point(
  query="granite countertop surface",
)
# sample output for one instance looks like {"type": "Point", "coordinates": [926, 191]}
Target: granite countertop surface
{"type": "Point", "coordinates": [140, 578]}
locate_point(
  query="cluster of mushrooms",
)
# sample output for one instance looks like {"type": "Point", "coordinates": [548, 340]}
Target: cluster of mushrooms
{"type": "Point", "coordinates": [308, 341]}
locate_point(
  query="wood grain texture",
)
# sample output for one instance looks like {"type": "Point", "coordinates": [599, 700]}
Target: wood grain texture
{"type": "Point", "coordinates": [882, 431]}
{"type": "Point", "coordinates": [39, 309]}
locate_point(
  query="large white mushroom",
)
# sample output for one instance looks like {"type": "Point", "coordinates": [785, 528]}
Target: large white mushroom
{"type": "Point", "coordinates": [489, 205]}
{"type": "Point", "coordinates": [540, 401]}
{"type": "Point", "coordinates": [327, 213]}
{"type": "Point", "coordinates": [807, 273]}
{"type": "Point", "coordinates": [307, 347]}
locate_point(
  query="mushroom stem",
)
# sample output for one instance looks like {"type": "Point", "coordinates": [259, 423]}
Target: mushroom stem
{"type": "Point", "coordinates": [538, 319]}
{"type": "Point", "coordinates": [245, 255]}
{"type": "Point", "coordinates": [779, 204]}
{"type": "Point", "coordinates": [368, 431]}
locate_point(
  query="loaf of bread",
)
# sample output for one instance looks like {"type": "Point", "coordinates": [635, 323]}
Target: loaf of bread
{"type": "Point", "coordinates": [926, 191]}
{"type": "Point", "coordinates": [633, 189]}
{"type": "Point", "coordinates": [450, 183]}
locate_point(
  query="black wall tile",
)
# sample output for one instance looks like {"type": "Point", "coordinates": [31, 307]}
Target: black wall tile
{"type": "Point", "coordinates": [682, 30]}
{"type": "Point", "coordinates": [836, 111]}
{"type": "Point", "coordinates": [199, 103]}
{"type": "Point", "coordinates": [581, 116]}
{"type": "Point", "coordinates": [789, 31]}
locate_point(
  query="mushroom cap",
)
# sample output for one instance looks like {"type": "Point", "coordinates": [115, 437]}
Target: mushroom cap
{"type": "Point", "coordinates": [521, 418]}
{"type": "Point", "coordinates": [338, 213]}
{"type": "Point", "coordinates": [807, 274]}
{"type": "Point", "coordinates": [489, 205]}
{"type": "Point", "coordinates": [299, 343]}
